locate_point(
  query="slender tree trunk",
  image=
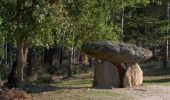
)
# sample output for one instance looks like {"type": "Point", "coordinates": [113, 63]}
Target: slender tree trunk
{"type": "Point", "coordinates": [6, 53]}
{"type": "Point", "coordinates": [165, 63]}
{"type": "Point", "coordinates": [30, 62]}
{"type": "Point", "coordinates": [80, 57]}
{"type": "Point", "coordinates": [122, 26]}
{"type": "Point", "coordinates": [9, 50]}
{"type": "Point", "coordinates": [48, 59]}
{"type": "Point", "coordinates": [74, 54]}
{"type": "Point", "coordinates": [90, 62]}
{"type": "Point", "coordinates": [21, 60]}
{"type": "Point", "coordinates": [69, 69]}
{"type": "Point", "coordinates": [61, 55]}
{"type": "Point", "coordinates": [11, 83]}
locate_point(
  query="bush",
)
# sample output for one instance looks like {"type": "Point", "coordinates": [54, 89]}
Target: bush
{"type": "Point", "coordinates": [44, 79]}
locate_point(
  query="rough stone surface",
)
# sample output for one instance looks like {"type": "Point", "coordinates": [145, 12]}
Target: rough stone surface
{"type": "Point", "coordinates": [125, 58]}
{"type": "Point", "coordinates": [116, 52]}
{"type": "Point", "coordinates": [133, 76]}
{"type": "Point", "coordinates": [106, 75]}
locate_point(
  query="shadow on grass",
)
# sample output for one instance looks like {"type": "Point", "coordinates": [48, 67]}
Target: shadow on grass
{"type": "Point", "coordinates": [43, 89]}
{"type": "Point", "coordinates": [39, 89]}
{"type": "Point", "coordinates": [61, 85]}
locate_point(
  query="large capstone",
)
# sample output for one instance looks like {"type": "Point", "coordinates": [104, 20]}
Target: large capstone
{"type": "Point", "coordinates": [116, 52]}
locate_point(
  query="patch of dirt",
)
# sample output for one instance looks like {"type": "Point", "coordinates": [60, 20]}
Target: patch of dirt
{"type": "Point", "coordinates": [148, 92]}
{"type": "Point", "coordinates": [145, 92]}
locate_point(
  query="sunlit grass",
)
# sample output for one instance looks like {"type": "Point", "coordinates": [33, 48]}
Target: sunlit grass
{"type": "Point", "coordinates": [74, 82]}
{"type": "Point", "coordinates": [155, 74]}
{"type": "Point", "coordinates": [157, 80]}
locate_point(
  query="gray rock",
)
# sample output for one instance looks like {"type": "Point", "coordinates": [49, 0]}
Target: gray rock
{"type": "Point", "coordinates": [116, 52]}
{"type": "Point", "coordinates": [106, 75]}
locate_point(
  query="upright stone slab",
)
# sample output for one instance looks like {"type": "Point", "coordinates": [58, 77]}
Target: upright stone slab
{"type": "Point", "coordinates": [133, 76]}
{"type": "Point", "coordinates": [106, 75]}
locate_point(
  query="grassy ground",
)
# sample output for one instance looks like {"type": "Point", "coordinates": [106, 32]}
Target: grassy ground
{"type": "Point", "coordinates": [154, 73]}
{"type": "Point", "coordinates": [79, 88]}
{"type": "Point", "coordinates": [79, 94]}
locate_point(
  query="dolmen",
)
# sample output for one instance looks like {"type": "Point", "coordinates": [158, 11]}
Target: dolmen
{"type": "Point", "coordinates": [117, 63]}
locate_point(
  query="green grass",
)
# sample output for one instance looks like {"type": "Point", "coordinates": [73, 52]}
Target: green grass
{"type": "Point", "coordinates": [157, 80]}
{"type": "Point", "coordinates": [155, 74]}
{"type": "Point", "coordinates": [74, 82]}
{"type": "Point", "coordinates": [79, 88]}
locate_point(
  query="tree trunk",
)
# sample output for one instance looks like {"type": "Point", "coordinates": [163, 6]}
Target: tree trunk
{"type": "Point", "coordinates": [69, 69]}
{"type": "Point", "coordinates": [9, 51]}
{"type": "Point", "coordinates": [61, 55]}
{"type": "Point", "coordinates": [11, 83]}
{"type": "Point", "coordinates": [122, 26]}
{"type": "Point", "coordinates": [80, 57]}
{"type": "Point", "coordinates": [21, 61]}
{"type": "Point", "coordinates": [30, 62]}
{"type": "Point", "coordinates": [90, 62]}
{"type": "Point", "coordinates": [165, 63]}
{"type": "Point", "coordinates": [48, 58]}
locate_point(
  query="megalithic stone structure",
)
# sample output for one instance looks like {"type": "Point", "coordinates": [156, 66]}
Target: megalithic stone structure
{"type": "Point", "coordinates": [124, 57]}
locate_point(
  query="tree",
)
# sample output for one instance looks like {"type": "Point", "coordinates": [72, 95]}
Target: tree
{"type": "Point", "coordinates": [28, 22]}
{"type": "Point", "coordinates": [67, 22]}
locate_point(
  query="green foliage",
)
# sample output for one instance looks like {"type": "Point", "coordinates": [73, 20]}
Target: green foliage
{"type": "Point", "coordinates": [63, 22]}
{"type": "Point", "coordinates": [2, 42]}
{"type": "Point", "coordinates": [146, 25]}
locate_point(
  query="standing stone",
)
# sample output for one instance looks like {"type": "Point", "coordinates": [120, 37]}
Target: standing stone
{"type": "Point", "coordinates": [133, 76]}
{"type": "Point", "coordinates": [106, 75]}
